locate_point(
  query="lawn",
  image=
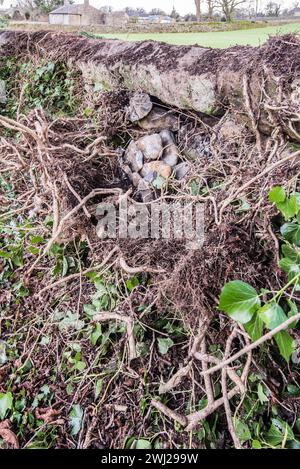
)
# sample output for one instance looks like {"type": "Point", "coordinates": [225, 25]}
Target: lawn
{"type": "Point", "coordinates": [220, 39]}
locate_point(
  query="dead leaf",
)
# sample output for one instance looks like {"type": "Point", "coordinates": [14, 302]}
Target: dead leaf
{"type": "Point", "coordinates": [47, 414]}
{"type": "Point", "coordinates": [8, 435]}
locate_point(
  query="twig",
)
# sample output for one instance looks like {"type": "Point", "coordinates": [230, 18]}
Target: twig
{"type": "Point", "coordinates": [176, 379]}
{"type": "Point", "coordinates": [169, 413]}
{"type": "Point", "coordinates": [254, 345]}
{"type": "Point", "coordinates": [245, 186]}
{"type": "Point", "coordinates": [231, 373]}
{"type": "Point", "coordinates": [71, 189]}
{"type": "Point", "coordinates": [129, 323]}
{"type": "Point", "coordinates": [196, 417]}
{"type": "Point", "coordinates": [230, 424]}
{"type": "Point", "coordinates": [138, 270]}
{"type": "Point", "coordinates": [207, 380]}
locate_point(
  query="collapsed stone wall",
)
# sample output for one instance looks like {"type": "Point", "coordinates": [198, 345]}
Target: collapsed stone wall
{"type": "Point", "coordinates": [252, 82]}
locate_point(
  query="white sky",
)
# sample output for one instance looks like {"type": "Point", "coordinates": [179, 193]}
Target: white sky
{"type": "Point", "coordinates": [183, 6]}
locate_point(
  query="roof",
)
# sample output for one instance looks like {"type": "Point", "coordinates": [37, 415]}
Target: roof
{"type": "Point", "coordinates": [75, 9]}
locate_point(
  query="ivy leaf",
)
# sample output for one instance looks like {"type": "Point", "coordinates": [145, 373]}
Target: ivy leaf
{"type": "Point", "coordinates": [261, 395]}
{"type": "Point", "coordinates": [292, 253]}
{"type": "Point", "coordinates": [143, 444]}
{"type": "Point", "coordinates": [76, 416]}
{"type": "Point", "coordinates": [272, 315]}
{"type": "Point", "coordinates": [289, 267]}
{"type": "Point", "coordinates": [239, 300]}
{"type": "Point", "coordinates": [277, 195]}
{"type": "Point", "coordinates": [285, 344]}
{"type": "Point", "coordinates": [255, 328]}
{"type": "Point", "coordinates": [6, 402]}
{"type": "Point", "coordinates": [291, 232]}
{"type": "Point", "coordinates": [164, 345]}
{"type": "Point", "coordinates": [242, 431]}
{"type": "Point", "coordinates": [96, 334]}
{"type": "Point", "coordinates": [279, 431]}
{"type": "Point", "coordinates": [131, 283]}
{"type": "Point", "coordinates": [289, 208]}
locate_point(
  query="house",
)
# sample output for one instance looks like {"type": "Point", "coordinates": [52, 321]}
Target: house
{"type": "Point", "coordinates": [77, 15]}
{"type": "Point", "coordinates": [85, 15]}
{"type": "Point", "coordinates": [295, 12]}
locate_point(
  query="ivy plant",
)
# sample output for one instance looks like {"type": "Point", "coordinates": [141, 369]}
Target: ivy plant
{"type": "Point", "coordinates": [244, 304]}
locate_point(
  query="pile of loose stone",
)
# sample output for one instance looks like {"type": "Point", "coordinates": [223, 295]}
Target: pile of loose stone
{"type": "Point", "coordinates": [152, 157]}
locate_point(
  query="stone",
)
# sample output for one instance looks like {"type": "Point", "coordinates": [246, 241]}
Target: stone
{"type": "Point", "coordinates": [171, 153]}
{"type": "Point", "coordinates": [3, 97]}
{"type": "Point", "coordinates": [167, 137]}
{"type": "Point", "coordinates": [162, 169]}
{"type": "Point", "coordinates": [134, 157]}
{"type": "Point", "coordinates": [159, 119]}
{"type": "Point", "coordinates": [147, 173]}
{"type": "Point", "coordinates": [139, 106]}
{"type": "Point", "coordinates": [151, 146]}
{"type": "Point", "coordinates": [181, 170]}
{"type": "Point", "coordinates": [136, 178]}
{"type": "Point", "coordinates": [171, 156]}
{"type": "Point", "coordinates": [127, 170]}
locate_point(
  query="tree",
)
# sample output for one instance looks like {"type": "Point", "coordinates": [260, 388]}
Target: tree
{"type": "Point", "coordinates": [157, 12]}
{"type": "Point", "coordinates": [211, 5]}
{"type": "Point", "coordinates": [190, 17]}
{"type": "Point", "coordinates": [175, 15]}
{"type": "Point", "coordinates": [273, 9]}
{"type": "Point", "coordinates": [198, 10]}
{"type": "Point", "coordinates": [38, 6]}
{"type": "Point", "coordinates": [228, 7]}
{"type": "Point", "coordinates": [135, 11]}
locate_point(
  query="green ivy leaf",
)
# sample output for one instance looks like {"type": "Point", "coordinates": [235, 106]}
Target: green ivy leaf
{"type": "Point", "coordinates": [261, 395]}
{"type": "Point", "coordinates": [239, 300]}
{"type": "Point", "coordinates": [143, 444]}
{"type": "Point", "coordinates": [277, 195]}
{"type": "Point", "coordinates": [279, 431]}
{"type": "Point", "coordinates": [291, 232]}
{"type": "Point", "coordinates": [289, 208]}
{"type": "Point", "coordinates": [164, 345]}
{"type": "Point", "coordinates": [6, 403]}
{"type": "Point", "coordinates": [132, 283]}
{"type": "Point", "coordinates": [289, 267]}
{"type": "Point", "coordinates": [242, 431]}
{"type": "Point", "coordinates": [76, 416]}
{"type": "Point", "coordinates": [255, 327]}
{"type": "Point", "coordinates": [272, 315]}
{"type": "Point", "coordinates": [96, 334]}
{"type": "Point", "coordinates": [291, 252]}
{"type": "Point", "coordinates": [285, 344]}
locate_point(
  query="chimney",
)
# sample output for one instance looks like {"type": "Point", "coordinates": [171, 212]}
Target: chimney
{"type": "Point", "coordinates": [86, 3]}
{"type": "Point", "coordinates": [66, 2]}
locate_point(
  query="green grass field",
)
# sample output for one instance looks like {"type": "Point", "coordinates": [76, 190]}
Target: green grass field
{"type": "Point", "coordinates": [253, 37]}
